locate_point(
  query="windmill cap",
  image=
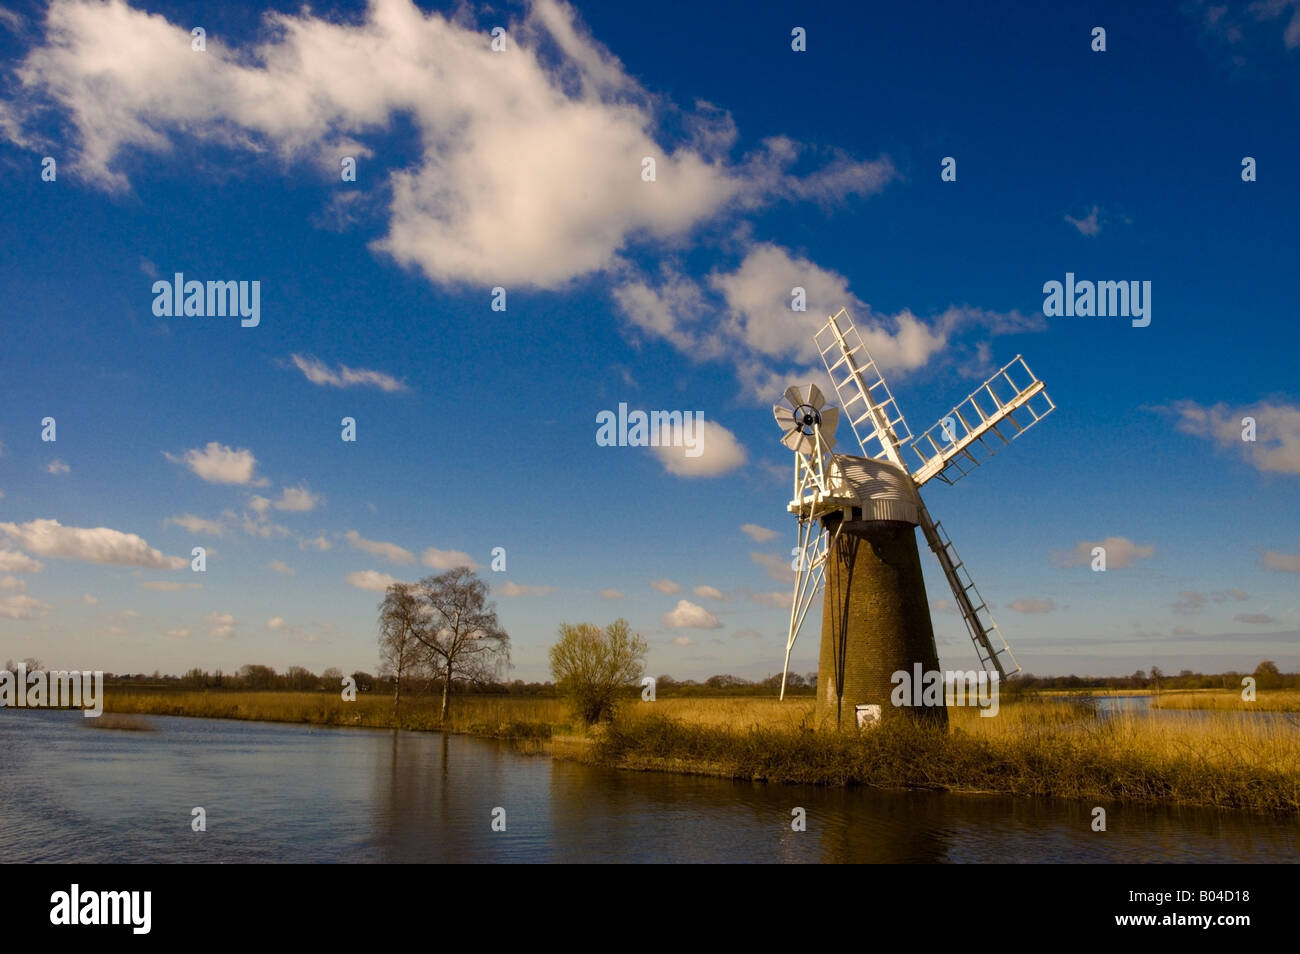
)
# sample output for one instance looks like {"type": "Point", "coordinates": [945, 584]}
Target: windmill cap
{"type": "Point", "coordinates": [884, 490]}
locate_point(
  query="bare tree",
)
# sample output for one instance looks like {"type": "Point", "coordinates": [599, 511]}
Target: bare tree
{"type": "Point", "coordinates": [399, 618]}
{"type": "Point", "coordinates": [458, 629]}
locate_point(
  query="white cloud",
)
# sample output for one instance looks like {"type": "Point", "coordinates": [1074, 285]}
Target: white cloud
{"type": "Point", "coordinates": [167, 586]}
{"type": "Point", "coordinates": [317, 372]}
{"type": "Point", "coordinates": [13, 583]}
{"type": "Point", "coordinates": [22, 606]}
{"type": "Point", "coordinates": [297, 500]}
{"type": "Point", "coordinates": [530, 170]}
{"type": "Point", "coordinates": [276, 622]}
{"type": "Point", "coordinates": [711, 593]}
{"type": "Point", "coordinates": [11, 561]}
{"type": "Point", "coordinates": [280, 566]}
{"type": "Point", "coordinates": [756, 533]}
{"type": "Point", "coordinates": [219, 464]}
{"type": "Point", "coordinates": [49, 538]}
{"type": "Point", "coordinates": [447, 559]}
{"type": "Point", "coordinates": [717, 449]}
{"type": "Point", "coordinates": [515, 589]}
{"type": "Point", "coordinates": [222, 625]}
{"type": "Point", "coordinates": [1287, 562]}
{"type": "Point", "coordinates": [1120, 553]}
{"type": "Point", "coordinates": [371, 580]}
{"type": "Point", "coordinates": [196, 524]}
{"type": "Point", "coordinates": [943, 606]}
{"type": "Point", "coordinates": [388, 551]}
{"type": "Point", "coordinates": [780, 601]}
{"type": "Point", "coordinates": [610, 594]}
{"type": "Point", "coordinates": [57, 467]}
{"type": "Point", "coordinates": [687, 615]}
{"type": "Point", "coordinates": [666, 586]}
{"type": "Point", "coordinates": [778, 568]}
{"type": "Point", "coordinates": [1276, 448]}
{"type": "Point", "coordinates": [1033, 606]}
{"type": "Point", "coordinates": [319, 542]}
{"type": "Point", "coordinates": [1088, 225]}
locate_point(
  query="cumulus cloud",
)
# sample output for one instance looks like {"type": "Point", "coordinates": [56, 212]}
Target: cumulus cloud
{"type": "Point", "coordinates": [666, 586]}
{"type": "Point", "coordinates": [756, 533]}
{"type": "Point", "coordinates": [515, 589]}
{"type": "Point", "coordinates": [11, 561]}
{"type": "Point", "coordinates": [22, 606]}
{"type": "Point", "coordinates": [218, 464]}
{"type": "Point", "coordinates": [1033, 606]}
{"type": "Point", "coordinates": [711, 593]}
{"type": "Point", "coordinates": [774, 600]}
{"type": "Point", "coordinates": [57, 467]}
{"type": "Point", "coordinates": [447, 559]}
{"type": "Point", "coordinates": [370, 580]}
{"type": "Point", "coordinates": [279, 566]}
{"type": "Point", "coordinates": [530, 169]}
{"type": "Point", "coordinates": [195, 524]}
{"type": "Point", "coordinates": [777, 567]}
{"type": "Point", "coordinates": [1276, 447]}
{"type": "Point", "coordinates": [610, 594]}
{"type": "Point", "coordinates": [687, 615]}
{"type": "Point", "coordinates": [320, 542]}
{"type": "Point", "coordinates": [276, 622]}
{"type": "Point", "coordinates": [1287, 562]}
{"type": "Point", "coordinates": [297, 500]}
{"type": "Point", "coordinates": [317, 372]}
{"type": "Point", "coordinates": [13, 583]}
{"type": "Point", "coordinates": [221, 625]}
{"type": "Point", "coordinates": [1120, 553]}
{"type": "Point", "coordinates": [388, 551]}
{"type": "Point", "coordinates": [49, 538]}
{"type": "Point", "coordinates": [717, 449]}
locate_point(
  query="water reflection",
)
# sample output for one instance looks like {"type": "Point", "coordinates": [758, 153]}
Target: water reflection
{"type": "Point", "coordinates": [301, 793]}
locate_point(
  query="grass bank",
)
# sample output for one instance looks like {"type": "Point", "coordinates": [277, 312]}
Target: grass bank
{"type": "Point", "coordinates": [1275, 700]}
{"type": "Point", "coordinates": [1046, 748]}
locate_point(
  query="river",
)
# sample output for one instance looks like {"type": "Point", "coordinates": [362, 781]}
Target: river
{"type": "Point", "coordinates": [274, 792]}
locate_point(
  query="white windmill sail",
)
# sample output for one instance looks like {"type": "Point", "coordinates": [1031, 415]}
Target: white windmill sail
{"type": "Point", "coordinates": [1003, 408]}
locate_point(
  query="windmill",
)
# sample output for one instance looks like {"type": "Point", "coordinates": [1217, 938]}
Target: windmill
{"type": "Point", "coordinates": [856, 517]}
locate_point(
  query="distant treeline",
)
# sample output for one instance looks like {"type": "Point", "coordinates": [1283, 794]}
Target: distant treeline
{"type": "Point", "coordinates": [298, 679]}
{"type": "Point", "coordinates": [1266, 676]}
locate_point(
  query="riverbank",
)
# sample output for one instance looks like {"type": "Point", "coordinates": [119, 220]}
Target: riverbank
{"type": "Point", "coordinates": [1055, 748]}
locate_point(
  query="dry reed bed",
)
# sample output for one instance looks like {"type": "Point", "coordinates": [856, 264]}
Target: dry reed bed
{"type": "Point", "coordinates": [1059, 748]}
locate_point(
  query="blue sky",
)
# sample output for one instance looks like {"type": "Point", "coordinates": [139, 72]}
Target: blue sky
{"type": "Point", "coordinates": [522, 169]}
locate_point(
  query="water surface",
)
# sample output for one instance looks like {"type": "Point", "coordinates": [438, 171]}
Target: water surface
{"type": "Point", "coordinates": [277, 792]}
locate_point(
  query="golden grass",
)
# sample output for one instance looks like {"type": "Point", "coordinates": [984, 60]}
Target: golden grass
{"type": "Point", "coordinates": [1271, 700]}
{"type": "Point", "coordinates": [494, 716]}
{"type": "Point", "coordinates": [1043, 748]}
